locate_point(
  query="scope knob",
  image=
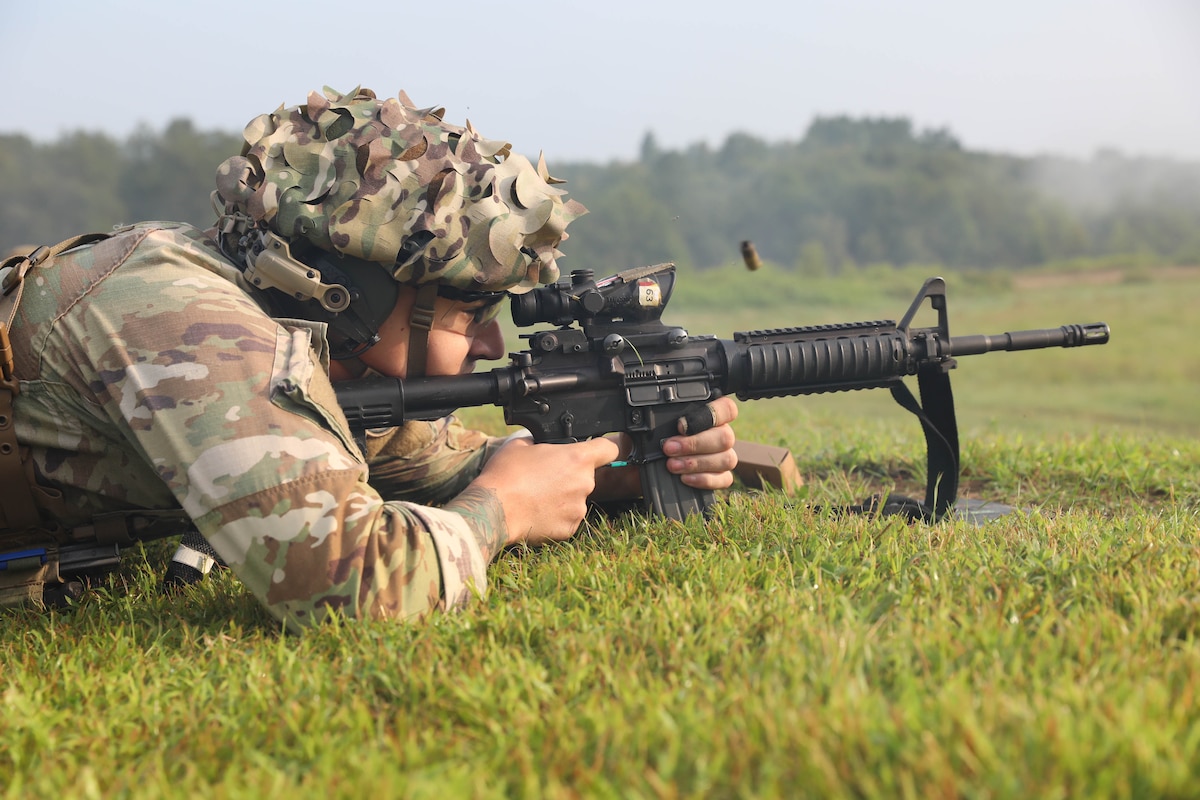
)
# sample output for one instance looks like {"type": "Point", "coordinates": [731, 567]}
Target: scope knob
{"type": "Point", "coordinates": [591, 301]}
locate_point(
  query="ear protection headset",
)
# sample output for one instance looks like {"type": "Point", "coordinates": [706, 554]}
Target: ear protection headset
{"type": "Point", "coordinates": [352, 296]}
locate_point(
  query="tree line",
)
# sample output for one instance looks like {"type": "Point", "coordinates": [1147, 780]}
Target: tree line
{"type": "Point", "coordinates": [851, 192]}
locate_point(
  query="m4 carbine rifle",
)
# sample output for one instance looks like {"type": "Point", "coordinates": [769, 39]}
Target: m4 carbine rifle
{"type": "Point", "coordinates": [622, 369]}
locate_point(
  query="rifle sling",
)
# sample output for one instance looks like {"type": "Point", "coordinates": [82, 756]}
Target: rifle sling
{"type": "Point", "coordinates": [936, 413]}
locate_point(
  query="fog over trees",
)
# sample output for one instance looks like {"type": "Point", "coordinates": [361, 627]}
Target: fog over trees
{"type": "Point", "coordinates": [852, 192]}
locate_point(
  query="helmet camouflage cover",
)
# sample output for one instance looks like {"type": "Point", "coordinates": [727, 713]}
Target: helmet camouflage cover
{"type": "Point", "coordinates": [390, 183]}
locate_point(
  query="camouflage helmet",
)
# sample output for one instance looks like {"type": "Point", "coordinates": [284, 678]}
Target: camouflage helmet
{"type": "Point", "coordinates": [386, 182]}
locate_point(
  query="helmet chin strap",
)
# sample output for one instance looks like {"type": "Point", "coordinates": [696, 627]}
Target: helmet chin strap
{"type": "Point", "coordinates": [420, 323]}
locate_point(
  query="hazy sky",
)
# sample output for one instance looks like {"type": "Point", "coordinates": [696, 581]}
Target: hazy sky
{"type": "Point", "coordinates": [588, 80]}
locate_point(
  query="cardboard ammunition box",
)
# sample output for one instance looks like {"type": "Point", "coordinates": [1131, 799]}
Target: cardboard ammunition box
{"type": "Point", "coordinates": [762, 465]}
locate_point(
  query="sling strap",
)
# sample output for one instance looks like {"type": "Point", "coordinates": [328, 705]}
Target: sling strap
{"type": "Point", "coordinates": [936, 413]}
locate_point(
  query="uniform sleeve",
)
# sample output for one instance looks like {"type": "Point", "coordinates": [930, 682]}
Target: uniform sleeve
{"type": "Point", "coordinates": [239, 420]}
{"type": "Point", "coordinates": [430, 462]}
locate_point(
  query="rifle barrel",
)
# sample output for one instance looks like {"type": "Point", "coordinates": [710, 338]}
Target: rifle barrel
{"type": "Point", "coordinates": [1065, 336]}
{"type": "Point", "coordinates": [821, 359]}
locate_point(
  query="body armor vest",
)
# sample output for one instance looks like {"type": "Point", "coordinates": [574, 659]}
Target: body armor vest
{"type": "Point", "coordinates": [39, 559]}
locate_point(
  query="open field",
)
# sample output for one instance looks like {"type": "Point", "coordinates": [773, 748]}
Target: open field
{"type": "Point", "coordinates": [1144, 380]}
{"type": "Point", "coordinates": [779, 650]}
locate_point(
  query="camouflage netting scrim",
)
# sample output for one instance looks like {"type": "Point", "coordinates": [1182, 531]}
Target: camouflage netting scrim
{"type": "Point", "coordinates": [360, 176]}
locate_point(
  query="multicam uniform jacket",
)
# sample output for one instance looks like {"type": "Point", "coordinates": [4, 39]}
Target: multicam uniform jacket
{"type": "Point", "coordinates": [152, 378]}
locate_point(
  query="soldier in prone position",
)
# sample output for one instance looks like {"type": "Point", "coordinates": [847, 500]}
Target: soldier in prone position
{"type": "Point", "coordinates": [164, 367]}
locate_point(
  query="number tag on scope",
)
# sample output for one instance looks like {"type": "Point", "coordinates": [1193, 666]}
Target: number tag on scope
{"type": "Point", "coordinates": [649, 293]}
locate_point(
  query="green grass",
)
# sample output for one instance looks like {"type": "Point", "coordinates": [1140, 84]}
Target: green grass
{"type": "Point", "coordinates": [779, 650]}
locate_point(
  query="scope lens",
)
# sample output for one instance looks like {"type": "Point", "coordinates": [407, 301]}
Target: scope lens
{"type": "Point", "coordinates": [524, 308]}
{"type": "Point", "coordinates": [543, 304]}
